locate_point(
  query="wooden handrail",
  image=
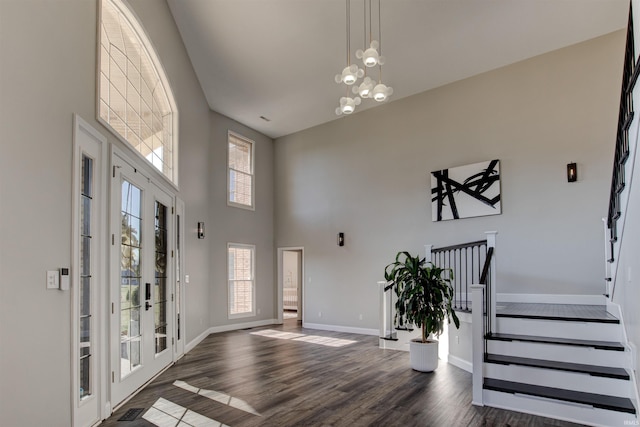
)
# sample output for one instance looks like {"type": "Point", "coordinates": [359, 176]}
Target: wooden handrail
{"type": "Point", "coordinates": [485, 269]}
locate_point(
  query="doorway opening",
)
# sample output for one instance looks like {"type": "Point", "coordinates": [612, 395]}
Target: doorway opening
{"type": "Point", "coordinates": [290, 284]}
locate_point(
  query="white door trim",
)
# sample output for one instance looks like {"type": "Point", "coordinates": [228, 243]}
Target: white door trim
{"type": "Point", "coordinates": [87, 140]}
{"type": "Point", "coordinates": [180, 229]}
{"type": "Point", "coordinates": [281, 280]}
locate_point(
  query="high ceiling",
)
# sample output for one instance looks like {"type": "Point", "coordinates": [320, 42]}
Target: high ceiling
{"type": "Point", "coordinates": [278, 58]}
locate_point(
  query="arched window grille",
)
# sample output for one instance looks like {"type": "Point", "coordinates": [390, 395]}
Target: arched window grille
{"type": "Point", "coordinates": [135, 99]}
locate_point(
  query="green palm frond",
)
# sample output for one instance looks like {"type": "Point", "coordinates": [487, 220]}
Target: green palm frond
{"type": "Point", "coordinates": [424, 293]}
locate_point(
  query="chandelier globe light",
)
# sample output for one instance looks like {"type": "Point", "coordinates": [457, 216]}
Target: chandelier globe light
{"type": "Point", "coordinates": [371, 57]}
{"type": "Point", "coordinates": [381, 92]}
{"type": "Point", "coordinates": [365, 90]}
{"type": "Point", "coordinates": [347, 105]}
{"type": "Point", "coordinates": [350, 74]}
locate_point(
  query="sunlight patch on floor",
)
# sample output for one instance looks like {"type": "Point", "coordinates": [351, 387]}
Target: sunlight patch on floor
{"type": "Point", "coordinates": [165, 413]}
{"type": "Point", "coordinates": [314, 339]}
{"type": "Point", "coordinates": [217, 396]}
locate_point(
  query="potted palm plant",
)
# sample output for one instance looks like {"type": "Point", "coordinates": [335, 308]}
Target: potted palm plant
{"type": "Point", "coordinates": [424, 294]}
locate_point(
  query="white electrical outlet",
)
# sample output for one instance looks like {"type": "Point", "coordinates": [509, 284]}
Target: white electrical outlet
{"type": "Point", "coordinates": [258, 311]}
{"type": "Point", "coordinates": [360, 317]}
{"type": "Point", "coordinates": [319, 314]}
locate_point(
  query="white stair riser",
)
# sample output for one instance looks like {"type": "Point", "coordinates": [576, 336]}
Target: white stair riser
{"type": "Point", "coordinates": [557, 409]}
{"type": "Point", "coordinates": [562, 353]}
{"type": "Point", "coordinates": [559, 379]}
{"type": "Point", "coordinates": [560, 329]}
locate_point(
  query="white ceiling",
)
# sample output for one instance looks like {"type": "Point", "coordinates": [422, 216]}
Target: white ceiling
{"type": "Point", "coordinates": [278, 58]}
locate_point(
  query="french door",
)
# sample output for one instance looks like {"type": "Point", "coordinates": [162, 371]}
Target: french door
{"type": "Point", "coordinates": [142, 316]}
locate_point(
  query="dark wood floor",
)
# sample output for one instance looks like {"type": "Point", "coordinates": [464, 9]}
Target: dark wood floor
{"type": "Point", "coordinates": [312, 381]}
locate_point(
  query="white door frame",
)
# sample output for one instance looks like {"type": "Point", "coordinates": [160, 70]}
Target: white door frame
{"type": "Point", "coordinates": [281, 280]}
{"type": "Point", "coordinates": [88, 140]}
{"type": "Point", "coordinates": [179, 229]}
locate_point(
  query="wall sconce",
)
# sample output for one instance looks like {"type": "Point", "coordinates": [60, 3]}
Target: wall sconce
{"type": "Point", "coordinates": [201, 230]}
{"type": "Point", "coordinates": [340, 239]}
{"type": "Point", "coordinates": [572, 172]}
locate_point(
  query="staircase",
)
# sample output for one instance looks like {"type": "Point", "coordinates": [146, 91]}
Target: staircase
{"type": "Point", "coordinates": [562, 361]}
{"type": "Point", "coordinates": [565, 361]}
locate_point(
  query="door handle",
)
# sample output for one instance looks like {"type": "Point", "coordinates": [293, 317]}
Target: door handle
{"type": "Point", "coordinates": [147, 305]}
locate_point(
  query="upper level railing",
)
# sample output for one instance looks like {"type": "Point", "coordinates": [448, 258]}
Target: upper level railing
{"type": "Point", "coordinates": [625, 117]}
{"type": "Point", "coordinates": [466, 260]}
{"type": "Point", "coordinates": [472, 263]}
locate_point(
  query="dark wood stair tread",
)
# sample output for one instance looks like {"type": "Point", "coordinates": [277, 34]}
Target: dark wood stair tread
{"type": "Point", "coordinates": [601, 345]}
{"type": "Point", "coordinates": [612, 403]}
{"type": "Point", "coordinates": [596, 371]}
{"type": "Point", "coordinates": [560, 312]}
{"type": "Point", "coordinates": [392, 337]}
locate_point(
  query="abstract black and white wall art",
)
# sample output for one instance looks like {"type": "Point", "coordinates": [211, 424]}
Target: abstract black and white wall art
{"type": "Point", "coordinates": [466, 191]}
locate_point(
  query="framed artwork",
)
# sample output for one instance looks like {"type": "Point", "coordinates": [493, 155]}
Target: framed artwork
{"type": "Point", "coordinates": [466, 191]}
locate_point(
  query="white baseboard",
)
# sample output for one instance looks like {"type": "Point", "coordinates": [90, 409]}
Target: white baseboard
{"type": "Point", "coordinates": [460, 363]}
{"type": "Point", "coordinates": [197, 340]}
{"type": "Point", "coordinates": [225, 328]}
{"type": "Point", "coordinates": [338, 328]}
{"type": "Point", "coordinates": [552, 299]}
{"type": "Point", "coordinates": [236, 326]}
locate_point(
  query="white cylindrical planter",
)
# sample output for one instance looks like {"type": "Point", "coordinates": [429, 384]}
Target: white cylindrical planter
{"type": "Point", "coordinates": [423, 356]}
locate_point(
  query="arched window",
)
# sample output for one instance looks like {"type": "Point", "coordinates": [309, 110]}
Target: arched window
{"type": "Point", "coordinates": [136, 101]}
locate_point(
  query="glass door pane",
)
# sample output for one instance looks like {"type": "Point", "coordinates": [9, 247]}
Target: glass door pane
{"type": "Point", "coordinates": [160, 294]}
{"type": "Point", "coordinates": [85, 312]}
{"type": "Point", "coordinates": [130, 278]}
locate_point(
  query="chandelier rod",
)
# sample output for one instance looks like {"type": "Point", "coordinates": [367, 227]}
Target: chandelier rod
{"type": "Point", "coordinates": [379, 27]}
{"type": "Point", "coordinates": [348, 32]}
{"type": "Point", "coordinates": [370, 26]}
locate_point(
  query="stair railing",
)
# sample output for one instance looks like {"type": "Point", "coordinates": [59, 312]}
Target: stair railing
{"type": "Point", "coordinates": [621, 155]}
{"type": "Point", "coordinates": [466, 261]}
{"type": "Point", "coordinates": [472, 263]}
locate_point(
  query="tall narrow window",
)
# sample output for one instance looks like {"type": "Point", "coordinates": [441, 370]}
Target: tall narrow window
{"type": "Point", "coordinates": [136, 101]}
{"type": "Point", "coordinates": [241, 280]}
{"type": "Point", "coordinates": [85, 312]}
{"type": "Point", "coordinates": [241, 192]}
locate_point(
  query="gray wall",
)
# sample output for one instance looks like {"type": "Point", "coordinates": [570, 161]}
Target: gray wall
{"type": "Point", "coordinates": [237, 225]}
{"type": "Point", "coordinates": [48, 72]}
{"type": "Point", "coordinates": [368, 175]}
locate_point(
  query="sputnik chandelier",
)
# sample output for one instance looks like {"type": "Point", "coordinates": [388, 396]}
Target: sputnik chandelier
{"type": "Point", "coordinates": [371, 57]}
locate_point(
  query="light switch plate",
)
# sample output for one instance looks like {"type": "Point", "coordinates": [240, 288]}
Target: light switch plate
{"type": "Point", "coordinates": [53, 281]}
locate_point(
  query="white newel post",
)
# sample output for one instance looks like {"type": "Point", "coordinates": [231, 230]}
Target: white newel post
{"type": "Point", "coordinates": [427, 252]}
{"type": "Point", "coordinates": [477, 350]}
{"type": "Point", "coordinates": [491, 243]}
{"type": "Point", "coordinates": [383, 309]}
